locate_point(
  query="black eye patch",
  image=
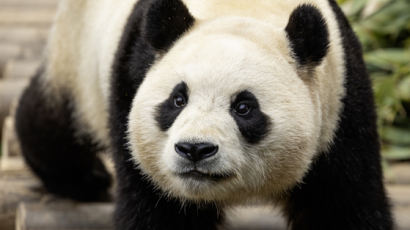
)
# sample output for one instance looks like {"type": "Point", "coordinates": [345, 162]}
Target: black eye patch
{"type": "Point", "coordinates": [168, 111]}
{"type": "Point", "coordinates": [254, 124]}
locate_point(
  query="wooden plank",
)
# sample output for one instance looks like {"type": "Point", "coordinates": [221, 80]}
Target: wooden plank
{"type": "Point", "coordinates": [26, 16]}
{"type": "Point", "coordinates": [15, 187]}
{"type": "Point", "coordinates": [9, 92]}
{"type": "Point", "coordinates": [402, 216]}
{"type": "Point", "coordinates": [255, 218]}
{"type": "Point", "coordinates": [74, 216]}
{"type": "Point", "coordinates": [23, 34]}
{"type": "Point", "coordinates": [399, 195]}
{"type": "Point", "coordinates": [398, 173]}
{"type": "Point", "coordinates": [10, 159]}
{"type": "Point", "coordinates": [65, 216]}
{"type": "Point", "coordinates": [10, 51]}
{"type": "Point", "coordinates": [29, 3]}
{"type": "Point", "coordinates": [20, 69]}
{"type": "Point", "coordinates": [10, 146]}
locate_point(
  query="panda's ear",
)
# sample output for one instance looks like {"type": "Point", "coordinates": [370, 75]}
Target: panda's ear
{"type": "Point", "coordinates": [164, 22]}
{"type": "Point", "coordinates": [308, 35]}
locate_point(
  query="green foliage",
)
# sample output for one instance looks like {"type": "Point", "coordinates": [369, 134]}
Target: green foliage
{"type": "Point", "coordinates": [383, 27]}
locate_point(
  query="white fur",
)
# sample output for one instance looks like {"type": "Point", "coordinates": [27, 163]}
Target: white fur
{"type": "Point", "coordinates": [81, 51]}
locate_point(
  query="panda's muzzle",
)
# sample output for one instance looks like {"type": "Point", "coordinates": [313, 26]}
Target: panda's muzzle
{"type": "Point", "coordinates": [195, 152]}
{"type": "Point", "coordinates": [197, 155]}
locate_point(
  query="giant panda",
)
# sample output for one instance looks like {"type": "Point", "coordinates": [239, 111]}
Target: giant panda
{"type": "Point", "coordinates": [207, 104]}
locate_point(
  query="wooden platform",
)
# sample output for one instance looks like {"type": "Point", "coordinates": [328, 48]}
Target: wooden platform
{"type": "Point", "coordinates": [24, 205]}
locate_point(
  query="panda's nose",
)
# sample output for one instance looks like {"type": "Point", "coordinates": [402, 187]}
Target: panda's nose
{"type": "Point", "coordinates": [196, 151]}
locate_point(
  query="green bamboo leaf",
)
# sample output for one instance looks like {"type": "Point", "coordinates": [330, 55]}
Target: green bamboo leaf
{"type": "Point", "coordinates": [388, 102]}
{"type": "Point", "coordinates": [353, 8]}
{"type": "Point", "coordinates": [392, 152]}
{"type": "Point", "coordinates": [388, 56]}
{"type": "Point", "coordinates": [390, 19]}
{"type": "Point", "coordinates": [404, 88]}
{"type": "Point", "coordinates": [396, 135]}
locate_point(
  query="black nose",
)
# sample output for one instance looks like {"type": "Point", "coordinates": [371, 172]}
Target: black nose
{"type": "Point", "coordinates": [195, 151]}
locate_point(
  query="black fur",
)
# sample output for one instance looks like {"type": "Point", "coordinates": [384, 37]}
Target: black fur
{"type": "Point", "coordinates": [255, 125]}
{"type": "Point", "coordinates": [308, 35]}
{"type": "Point", "coordinates": [65, 160]}
{"type": "Point", "coordinates": [344, 188]}
{"type": "Point", "coordinates": [139, 205]}
{"type": "Point", "coordinates": [167, 113]}
{"type": "Point", "coordinates": [165, 21]}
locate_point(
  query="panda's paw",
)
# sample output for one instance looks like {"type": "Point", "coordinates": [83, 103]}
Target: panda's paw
{"type": "Point", "coordinates": [91, 185]}
{"type": "Point", "coordinates": [95, 185]}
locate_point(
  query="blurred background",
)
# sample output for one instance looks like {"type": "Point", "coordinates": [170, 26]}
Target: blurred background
{"type": "Point", "coordinates": [383, 27]}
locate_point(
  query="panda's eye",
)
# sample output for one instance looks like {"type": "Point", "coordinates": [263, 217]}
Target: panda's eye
{"type": "Point", "coordinates": [242, 109]}
{"type": "Point", "coordinates": [179, 101]}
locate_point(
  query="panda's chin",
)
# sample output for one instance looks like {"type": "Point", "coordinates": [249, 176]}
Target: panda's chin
{"type": "Point", "coordinates": [201, 176]}
{"type": "Point", "coordinates": [200, 186]}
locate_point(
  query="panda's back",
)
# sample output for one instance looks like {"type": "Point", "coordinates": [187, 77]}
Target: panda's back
{"type": "Point", "coordinates": [79, 56]}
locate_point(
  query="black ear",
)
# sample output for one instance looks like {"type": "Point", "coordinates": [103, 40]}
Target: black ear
{"type": "Point", "coordinates": [165, 21]}
{"type": "Point", "coordinates": [308, 35]}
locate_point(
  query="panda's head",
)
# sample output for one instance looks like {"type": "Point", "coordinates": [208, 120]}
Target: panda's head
{"type": "Point", "coordinates": [226, 110]}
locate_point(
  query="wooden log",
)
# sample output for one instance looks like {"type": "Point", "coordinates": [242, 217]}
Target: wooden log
{"type": "Point", "coordinates": [29, 3]}
{"type": "Point", "coordinates": [13, 34]}
{"type": "Point", "coordinates": [9, 92]}
{"type": "Point", "coordinates": [20, 69]}
{"type": "Point", "coordinates": [402, 216]}
{"type": "Point", "coordinates": [398, 173]}
{"type": "Point", "coordinates": [15, 187]}
{"type": "Point", "coordinates": [8, 51]}
{"type": "Point", "coordinates": [10, 146]}
{"type": "Point", "coordinates": [399, 195]}
{"type": "Point", "coordinates": [10, 159]}
{"type": "Point", "coordinates": [64, 216]}
{"type": "Point", "coordinates": [10, 15]}
{"type": "Point", "coordinates": [74, 216]}
{"type": "Point", "coordinates": [255, 218]}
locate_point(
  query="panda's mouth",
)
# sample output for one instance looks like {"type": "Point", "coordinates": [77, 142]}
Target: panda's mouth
{"type": "Point", "coordinates": [200, 176]}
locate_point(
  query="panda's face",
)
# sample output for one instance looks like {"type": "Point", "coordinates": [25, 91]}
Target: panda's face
{"type": "Point", "coordinates": [223, 114]}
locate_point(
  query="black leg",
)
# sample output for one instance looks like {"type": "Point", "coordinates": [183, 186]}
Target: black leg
{"type": "Point", "coordinates": [141, 206]}
{"type": "Point", "coordinates": [344, 189]}
{"type": "Point", "coordinates": [341, 193]}
{"type": "Point", "coordinates": [65, 160]}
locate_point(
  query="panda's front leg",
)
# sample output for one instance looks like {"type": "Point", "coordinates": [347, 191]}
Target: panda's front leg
{"type": "Point", "coordinates": [139, 205]}
{"type": "Point", "coordinates": [64, 159]}
{"type": "Point", "coordinates": [343, 189]}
